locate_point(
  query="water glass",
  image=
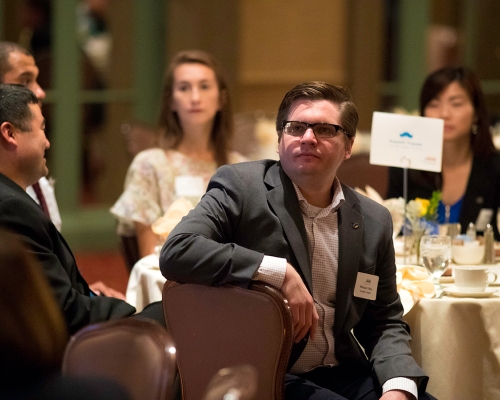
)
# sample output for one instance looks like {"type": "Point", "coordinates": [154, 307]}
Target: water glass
{"type": "Point", "coordinates": [435, 256]}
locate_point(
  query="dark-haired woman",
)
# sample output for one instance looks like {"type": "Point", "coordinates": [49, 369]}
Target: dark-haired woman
{"type": "Point", "coordinates": [470, 177]}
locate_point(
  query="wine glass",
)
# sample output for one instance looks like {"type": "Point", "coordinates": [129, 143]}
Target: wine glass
{"type": "Point", "coordinates": [435, 256]}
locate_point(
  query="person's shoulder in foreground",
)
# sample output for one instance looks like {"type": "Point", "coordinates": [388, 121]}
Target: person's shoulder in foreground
{"type": "Point", "coordinates": [33, 334]}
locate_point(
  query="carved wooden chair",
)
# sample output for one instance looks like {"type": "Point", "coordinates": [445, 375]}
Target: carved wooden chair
{"type": "Point", "coordinates": [138, 354]}
{"type": "Point", "coordinates": [226, 326]}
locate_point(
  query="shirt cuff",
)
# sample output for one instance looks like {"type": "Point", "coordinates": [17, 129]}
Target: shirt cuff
{"type": "Point", "coordinates": [401, 383]}
{"type": "Point", "coordinates": [271, 271]}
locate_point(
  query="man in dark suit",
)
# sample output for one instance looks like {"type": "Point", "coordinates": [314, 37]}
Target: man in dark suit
{"type": "Point", "coordinates": [17, 65]}
{"type": "Point", "coordinates": [22, 163]}
{"type": "Point", "coordinates": [329, 250]}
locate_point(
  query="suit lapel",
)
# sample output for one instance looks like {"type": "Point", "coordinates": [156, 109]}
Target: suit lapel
{"type": "Point", "coordinates": [282, 198]}
{"type": "Point", "coordinates": [18, 190]}
{"type": "Point", "coordinates": [351, 230]}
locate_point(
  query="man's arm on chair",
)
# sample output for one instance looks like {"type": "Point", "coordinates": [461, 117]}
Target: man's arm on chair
{"type": "Point", "coordinates": [280, 274]}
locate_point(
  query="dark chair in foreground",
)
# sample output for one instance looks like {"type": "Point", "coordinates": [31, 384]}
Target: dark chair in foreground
{"type": "Point", "coordinates": [138, 354]}
{"type": "Point", "coordinates": [228, 326]}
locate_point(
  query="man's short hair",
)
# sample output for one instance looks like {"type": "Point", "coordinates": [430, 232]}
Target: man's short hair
{"type": "Point", "coordinates": [314, 91]}
{"type": "Point", "coordinates": [5, 49]}
{"type": "Point", "coordinates": [14, 106]}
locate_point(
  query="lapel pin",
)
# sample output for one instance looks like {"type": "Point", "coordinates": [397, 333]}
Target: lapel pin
{"type": "Point", "coordinates": [355, 225]}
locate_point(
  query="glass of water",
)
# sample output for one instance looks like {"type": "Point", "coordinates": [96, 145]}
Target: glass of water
{"type": "Point", "coordinates": [435, 256]}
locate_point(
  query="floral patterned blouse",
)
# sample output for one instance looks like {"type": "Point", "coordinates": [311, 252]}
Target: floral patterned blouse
{"type": "Point", "coordinates": [150, 185]}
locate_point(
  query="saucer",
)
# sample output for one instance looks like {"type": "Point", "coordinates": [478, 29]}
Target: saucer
{"type": "Point", "coordinates": [452, 291]}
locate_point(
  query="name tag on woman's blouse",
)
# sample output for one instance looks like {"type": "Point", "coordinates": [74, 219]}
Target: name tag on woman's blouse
{"type": "Point", "coordinates": [189, 186]}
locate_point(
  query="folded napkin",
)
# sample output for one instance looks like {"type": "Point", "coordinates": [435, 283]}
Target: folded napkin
{"type": "Point", "coordinates": [413, 282]}
{"type": "Point", "coordinates": [178, 209]}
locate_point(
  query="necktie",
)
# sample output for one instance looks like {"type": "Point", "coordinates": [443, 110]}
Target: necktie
{"type": "Point", "coordinates": [41, 198]}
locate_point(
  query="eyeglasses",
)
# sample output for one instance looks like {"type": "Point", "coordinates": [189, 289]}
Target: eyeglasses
{"type": "Point", "coordinates": [320, 129]}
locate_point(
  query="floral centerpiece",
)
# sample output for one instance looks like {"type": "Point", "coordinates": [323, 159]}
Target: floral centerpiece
{"type": "Point", "coordinates": [421, 219]}
{"type": "Point", "coordinates": [417, 218]}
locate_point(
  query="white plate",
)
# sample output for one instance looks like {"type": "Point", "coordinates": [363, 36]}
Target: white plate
{"type": "Point", "coordinates": [452, 291]}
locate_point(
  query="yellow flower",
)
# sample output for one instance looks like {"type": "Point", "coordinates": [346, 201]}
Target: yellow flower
{"type": "Point", "coordinates": [424, 205]}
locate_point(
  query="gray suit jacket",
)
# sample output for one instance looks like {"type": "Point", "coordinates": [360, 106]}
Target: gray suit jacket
{"type": "Point", "coordinates": [251, 210]}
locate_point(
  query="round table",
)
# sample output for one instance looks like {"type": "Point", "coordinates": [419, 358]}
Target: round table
{"type": "Point", "coordinates": [145, 283]}
{"type": "Point", "coordinates": [457, 343]}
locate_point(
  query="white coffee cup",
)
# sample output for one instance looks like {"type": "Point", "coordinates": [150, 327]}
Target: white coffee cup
{"type": "Point", "coordinates": [473, 279]}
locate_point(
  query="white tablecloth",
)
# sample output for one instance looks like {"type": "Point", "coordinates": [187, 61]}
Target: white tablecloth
{"type": "Point", "coordinates": [145, 283]}
{"type": "Point", "coordinates": [457, 343]}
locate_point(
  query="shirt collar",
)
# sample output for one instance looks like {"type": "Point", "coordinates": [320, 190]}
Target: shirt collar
{"type": "Point", "coordinates": [337, 200]}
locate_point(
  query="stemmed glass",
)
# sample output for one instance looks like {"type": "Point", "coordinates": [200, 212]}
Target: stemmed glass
{"type": "Point", "coordinates": [238, 382]}
{"type": "Point", "coordinates": [435, 256]}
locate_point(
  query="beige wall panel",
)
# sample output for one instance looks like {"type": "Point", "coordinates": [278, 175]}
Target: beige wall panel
{"type": "Point", "coordinates": [285, 42]}
{"type": "Point", "coordinates": [265, 97]}
{"type": "Point", "coordinates": [365, 57]}
{"type": "Point", "coordinates": [206, 25]}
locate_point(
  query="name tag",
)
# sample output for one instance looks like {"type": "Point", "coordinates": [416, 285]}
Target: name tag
{"type": "Point", "coordinates": [189, 186]}
{"type": "Point", "coordinates": [366, 286]}
{"type": "Point", "coordinates": [483, 218]}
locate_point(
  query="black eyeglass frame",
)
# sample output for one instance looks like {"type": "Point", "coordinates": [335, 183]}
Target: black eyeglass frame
{"type": "Point", "coordinates": [308, 125]}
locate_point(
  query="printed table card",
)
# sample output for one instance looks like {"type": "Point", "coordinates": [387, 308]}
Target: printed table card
{"type": "Point", "coordinates": [406, 141]}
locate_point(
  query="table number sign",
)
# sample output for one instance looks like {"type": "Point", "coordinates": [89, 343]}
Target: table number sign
{"type": "Point", "coordinates": [406, 141]}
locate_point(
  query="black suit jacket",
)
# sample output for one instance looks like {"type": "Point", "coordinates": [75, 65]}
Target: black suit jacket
{"type": "Point", "coordinates": [251, 210]}
{"type": "Point", "coordinates": [482, 192]}
{"type": "Point", "coordinates": [20, 214]}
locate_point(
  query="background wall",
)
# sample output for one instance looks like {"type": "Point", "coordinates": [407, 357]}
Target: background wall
{"type": "Point", "coordinates": [380, 49]}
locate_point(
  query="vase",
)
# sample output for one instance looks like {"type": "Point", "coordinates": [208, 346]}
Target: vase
{"type": "Point", "coordinates": [415, 239]}
{"type": "Point", "coordinates": [424, 227]}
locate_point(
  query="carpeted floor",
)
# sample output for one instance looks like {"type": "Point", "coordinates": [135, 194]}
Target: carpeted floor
{"type": "Point", "coordinates": [108, 267]}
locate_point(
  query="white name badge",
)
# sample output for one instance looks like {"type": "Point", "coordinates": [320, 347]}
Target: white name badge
{"type": "Point", "coordinates": [189, 186]}
{"type": "Point", "coordinates": [483, 218]}
{"type": "Point", "coordinates": [406, 141]}
{"type": "Point", "coordinates": [366, 286]}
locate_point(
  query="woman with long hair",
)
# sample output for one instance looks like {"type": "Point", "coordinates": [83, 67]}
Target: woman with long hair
{"type": "Point", "coordinates": [196, 126]}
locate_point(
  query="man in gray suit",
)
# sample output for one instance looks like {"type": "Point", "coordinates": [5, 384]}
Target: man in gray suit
{"type": "Point", "coordinates": [329, 250]}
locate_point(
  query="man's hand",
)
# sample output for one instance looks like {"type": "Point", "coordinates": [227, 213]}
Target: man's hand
{"type": "Point", "coordinates": [100, 288]}
{"type": "Point", "coordinates": [397, 395]}
{"type": "Point", "coordinates": [305, 316]}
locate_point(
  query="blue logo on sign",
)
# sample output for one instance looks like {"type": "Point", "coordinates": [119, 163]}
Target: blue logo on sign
{"type": "Point", "coordinates": [406, 134]}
